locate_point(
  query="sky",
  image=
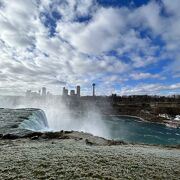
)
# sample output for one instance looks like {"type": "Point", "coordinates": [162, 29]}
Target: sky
{"type": "Point", "coordinates": [124, 46]}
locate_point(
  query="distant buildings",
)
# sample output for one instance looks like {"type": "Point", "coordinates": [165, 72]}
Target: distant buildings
{"type": "Point", "coordinates": [72, 92]}
{"type": "Point", "coordinates": [30, 93]}
{"type": "Point", "coordinates": [41, 93]}
{"type": "Point", "coordinates": [65, 93]}
{"type": "Point", "coordinates": [44, 93]}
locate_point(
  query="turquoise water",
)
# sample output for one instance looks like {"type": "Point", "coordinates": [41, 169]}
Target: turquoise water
{"type": "Point", "coordinates": [135, 131]}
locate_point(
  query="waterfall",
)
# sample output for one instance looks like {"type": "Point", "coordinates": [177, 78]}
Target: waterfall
{"type": "Point", "coordinates": [36, 122]}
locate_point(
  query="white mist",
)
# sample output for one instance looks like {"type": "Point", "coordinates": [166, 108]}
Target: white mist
{"type": "Point", "coordinates": [60, 117]}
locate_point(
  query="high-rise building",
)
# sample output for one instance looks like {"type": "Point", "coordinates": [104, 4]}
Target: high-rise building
{"type": "Point", "coordinates": [78, 89]}
{"type": "Point", "coordinates": [72, 92]}
{"type": "Point", "coordinates": [43, 91]}
{"type": "Point", "coordinates": [93, 88]}
{"type": "Point", "coordinates": [65, 92]}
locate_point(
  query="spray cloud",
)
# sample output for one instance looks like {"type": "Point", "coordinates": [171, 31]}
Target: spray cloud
{"type": "Point", "coordinates": [61, 115]}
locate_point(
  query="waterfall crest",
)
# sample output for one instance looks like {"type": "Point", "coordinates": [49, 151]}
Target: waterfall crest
{"type": "Point", "coordinates": [36, 122]}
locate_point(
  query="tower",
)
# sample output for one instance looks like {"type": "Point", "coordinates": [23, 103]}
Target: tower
{"type": "Point", "coordinates": [93, 88]}
{"type": "Point", "coordinates": [78, 89]}
{"type": "Point", "coordinates": [43, 91]}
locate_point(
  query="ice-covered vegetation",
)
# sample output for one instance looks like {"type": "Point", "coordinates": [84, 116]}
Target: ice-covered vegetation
{"type": "Point", "coordinates": [70, 159]}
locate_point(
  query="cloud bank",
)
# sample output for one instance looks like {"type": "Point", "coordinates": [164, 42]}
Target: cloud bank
{"type": "Point", "coordinates": [123, 49]}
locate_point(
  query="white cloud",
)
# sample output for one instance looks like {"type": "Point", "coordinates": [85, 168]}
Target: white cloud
{"type": "Point", "coordinates": [138, 76]}
{"type": "Point", "coordinates": [77, 52]}
{"type": "Point", "coordinates": [150, 89]}
{"type": "Point", "coordinates": [71, 9]}
{"type": "Point", "coordinates": [16, 19]}
{"type": "Point", "coordinates": [114, 29]}
{"type": "Point", "coordinates": [98, 35]}
{"type": "Point", "coordinates": [148, 16]}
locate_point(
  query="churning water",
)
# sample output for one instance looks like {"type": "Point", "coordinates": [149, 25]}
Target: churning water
{"type": "Point", "coordinates": [133, 130]}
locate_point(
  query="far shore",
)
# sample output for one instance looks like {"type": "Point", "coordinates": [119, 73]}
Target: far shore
{"type": "Point", "coordinates": [167, 123]}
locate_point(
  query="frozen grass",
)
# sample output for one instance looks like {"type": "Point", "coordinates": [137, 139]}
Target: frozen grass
{"type": "Point", "coordinates": [70, 159]}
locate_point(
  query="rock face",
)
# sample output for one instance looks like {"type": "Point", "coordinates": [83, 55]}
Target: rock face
{"type": "Point", "coordinates": [15, 123]}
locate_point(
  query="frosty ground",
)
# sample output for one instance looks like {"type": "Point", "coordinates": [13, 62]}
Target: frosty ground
{"type": "Point", "coordinates": [75, 159]}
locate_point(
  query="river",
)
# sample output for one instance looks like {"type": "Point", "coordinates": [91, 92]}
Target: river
{"type": "Point", "coordinates": [134, 130]}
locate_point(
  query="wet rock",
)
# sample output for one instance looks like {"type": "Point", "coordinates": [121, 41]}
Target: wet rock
{"type": "Point", "coordinates": [78, 138]}
{"type": "Point", "coordinates": [65, 137]}
{"type": "Point", "coordinates": [44, 136]}
{"type": "Point", "coordinates": [14, 126]}
{"type": "Point", "coordinates": [53, 135]}
{"type": "Point", "coordinates": [88, 142]}
{"type": "Point", "coordinates": [34, 138]}
{"type": "Point", "coordinates": [68, 132]}
{"type": "Point", "coordinates": [23, 117]}
{"type": "Point", "coordinates": [10, 136]}
{"type": "Point", "coordinates": [112, 142]}
{"type": "Point", "coordinates": [33, 134]}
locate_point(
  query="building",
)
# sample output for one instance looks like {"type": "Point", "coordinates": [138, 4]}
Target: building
{"type": "Point", "coordinates": [78, 89]}
{"type": "Point", "coordinates": [31, 94]}
{"type": "Point", "coordinates": [72, 93]}
{"type": "Point", "coordinates": [65, 92]}
{"type": "Point", "coordinates": [44, 91]}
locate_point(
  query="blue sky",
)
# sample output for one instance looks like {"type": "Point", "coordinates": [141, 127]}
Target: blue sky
{"type": "Point", "coordinates": [124, 46]}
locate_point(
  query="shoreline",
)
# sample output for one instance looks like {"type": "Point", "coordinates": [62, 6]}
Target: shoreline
{"type": "Point", "coordinates": [166, 123]}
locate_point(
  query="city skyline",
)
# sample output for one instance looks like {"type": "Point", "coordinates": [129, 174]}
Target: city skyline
{"type": "Point", "coordinates": [76, 92]}
{"type": "Point", "coordinates": [65, 92]}
{"type": "Point", "coordinates": [125, 47]}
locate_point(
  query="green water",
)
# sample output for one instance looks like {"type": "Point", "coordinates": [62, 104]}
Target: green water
{"type": "Point", "coordinates": [133, 130]}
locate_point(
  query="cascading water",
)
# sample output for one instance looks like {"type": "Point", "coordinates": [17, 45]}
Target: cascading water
{"type": "Point", "coordinates": [36, 122]}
